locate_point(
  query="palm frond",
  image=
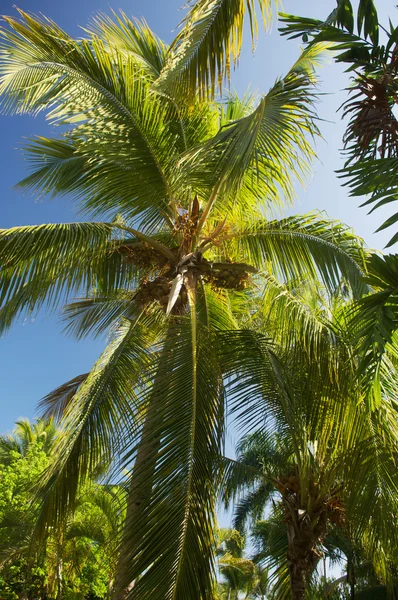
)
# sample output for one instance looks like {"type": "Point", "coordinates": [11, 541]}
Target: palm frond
{"type": "Point", "coordinates": [97, 314]}
{"type": "Point", "coordinates": [44, 264]}
{"type": "Point", "coordinates": [376, 178]}
{"type": "Point", "coordinates": [132, 37]}
{"type": "Point", "coordinates": [200, 56]}
{"type": "Point", "coordinates": [55, 404]}
{"type": "Point", "coordinates": [301, 247]}
{"type": "Point", "coordinates": [94, 90]}
{"type": "Point", "coordinates": [105, 406]}
{"type": "Point", "coordinates": [374, 319]}
{"type": "Point", "coordinates": [170, 553]}
{"type": "Point", "coordinates": [271, 143]}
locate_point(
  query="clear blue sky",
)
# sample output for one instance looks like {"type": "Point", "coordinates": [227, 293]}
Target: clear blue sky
{"type": "Point", "coordinates": [35, 356]}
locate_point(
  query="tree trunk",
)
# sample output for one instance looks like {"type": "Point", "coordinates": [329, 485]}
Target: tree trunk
{"type": "Point", "coordinates": [298, 581]}
{"type": "Point", "coordinates": [302, 556]}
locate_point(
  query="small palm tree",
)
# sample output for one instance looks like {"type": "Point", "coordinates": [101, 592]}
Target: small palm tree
{"type": "Point", "coordinates": [184, 183]}
{"type": "Point", "coordinates": [43, 432]}
{"type": "Point", "coordinates": [89, 535]}
{"type": "Point", "coordinates": [319, 457]}
{"type": "Point", "coordinates": [237, 571]}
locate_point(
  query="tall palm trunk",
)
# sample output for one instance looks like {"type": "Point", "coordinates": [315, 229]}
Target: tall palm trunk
{"type": "Point", "coordinates": [303, 537]}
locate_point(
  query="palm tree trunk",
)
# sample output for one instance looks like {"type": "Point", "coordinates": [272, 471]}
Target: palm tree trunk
{"type": "Point", "coordinates": [302, 560]}
{"type": "Point", "coordinates": [298, 582]}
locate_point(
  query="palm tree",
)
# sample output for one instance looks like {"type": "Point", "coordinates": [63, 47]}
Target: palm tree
{"type": "Point", "coordinates": [43, 432]}
{"type": "Point", "coordinates": [320, 458]}
{"type": "Point", "coordinates": [184, 183]}
{"type": "Point", "coordinates": [371, 137]}
{"type": "Point", "coordinates": [237, 571]}
{"type": "Point", "coordinates": [87, 537]}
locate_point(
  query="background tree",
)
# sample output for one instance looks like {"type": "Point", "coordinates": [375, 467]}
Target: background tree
{"type": "Point", "coordinates": [319, 456]}
{"type": "Point", "coordinates": [70, 563]}
{"type": "Point", "coordinates": [369, 50]}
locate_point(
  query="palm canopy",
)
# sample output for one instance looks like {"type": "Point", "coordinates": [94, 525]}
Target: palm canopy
{"type": "Point", "coordinates": [186, 183]}
{"type": "Point", "coordinates": [317, 455]}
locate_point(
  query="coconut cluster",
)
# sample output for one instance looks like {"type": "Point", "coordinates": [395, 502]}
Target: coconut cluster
{"type": "Point", "coordinates": [143, 256]}
{"type": "Point", "coordinates": [332, 507]}
{"type": "Point", "coordinates": [228, 279]}
{"type": "Point", "coordinates": [158, 290]}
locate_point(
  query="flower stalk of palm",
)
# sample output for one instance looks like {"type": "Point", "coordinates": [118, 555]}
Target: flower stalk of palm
{"type": "Point", "coordinates": [188, 180]}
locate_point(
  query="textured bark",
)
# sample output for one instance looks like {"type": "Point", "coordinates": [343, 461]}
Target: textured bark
{"type": "Point", "coordinates": [303, 539]}
{"type": "Point", "coordinates": [298, 581]}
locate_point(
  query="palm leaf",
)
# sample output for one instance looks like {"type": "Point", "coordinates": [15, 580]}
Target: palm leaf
{"type": "Point", "coordinates": [101, 412]}
{"type": "Point", "coordinates": [200, 56]}
{"type": "Point", "coordinates": [268, 145]}
{"type": "Point", "coordinates": [81, 82]}
{"type": "Point", "coordinates": [97, 314]}
{"type": "Point", "coordinates": [376, 178]}
{"type": "Point", "coordinates": [43, 264]}
{"type": "Point", "coordinates": [171, 538]}
{"type": "Point", "coordinates": [55, 403]}
{"type": "Point", "coordinates": [302, 247]}
{"type": "Point", "coordinates": [133, 38]}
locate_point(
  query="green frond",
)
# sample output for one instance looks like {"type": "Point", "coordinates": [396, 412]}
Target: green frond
{"type": "Point", "coordinates": [132, 37]}
{"type": "Point", "coordinates": [252, 505]}
{"type": "Point", "coordinates": [271, 144]}
{"type": "Point", "coordinates": [373, 320]}
{"type": "Point", "coordinates": [376, 178]}
{"type": "Point", "coordinates": [305, 247]}
{"type": "Point", "coordinates": [100, 93]}
{"type": "Point", "coordinates": [170, 554]}
{"type": "Point", "coordinates": [97, 314]}
{"type": "Point", "coordinates": [44, 264]}
{"type": "Point", "coordinates": [254, 373]}
{"type": "Point", "coordinates": [301, 313]}
{"type": "Point", "coordinates": [200, 56]}
{"type": "Point", "coordinates": [55, 404]}
{"type": "Point", "coordinates": [237, 475]}
{"type": "Point", "coordinates": [102, 411]}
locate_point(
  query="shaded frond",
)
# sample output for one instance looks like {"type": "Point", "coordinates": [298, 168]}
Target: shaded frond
{"type": "Point", "coordinates": [106, 405]}
{"type": "Point", "coordinates": [57, 401]}
{"type": "Point", "coordinates": [170, 554]}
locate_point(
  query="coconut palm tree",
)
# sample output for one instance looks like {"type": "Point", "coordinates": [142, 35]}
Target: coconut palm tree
{"type": "Point", "coordinates": [320, 458]}
{"type": "Point", "coordinates": [237, 571]}
{"type": "Point", "coordinates": [43, 432]}
{"type": "Point", "coordinates": [184, 183]}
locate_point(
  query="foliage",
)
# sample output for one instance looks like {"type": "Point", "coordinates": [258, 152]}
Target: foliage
{"type": "Point", "coordinates": [316, 458]}
{"type": "Point", "coordinates": [73, 562]}
{"type": "Point", "coordinates": [371, 136]}
{"type": "Point", "coordinates": [183, 183]}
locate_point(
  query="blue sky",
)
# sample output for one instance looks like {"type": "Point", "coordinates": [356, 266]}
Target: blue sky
{"type": "Point", "coordinates": [35, 356]}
